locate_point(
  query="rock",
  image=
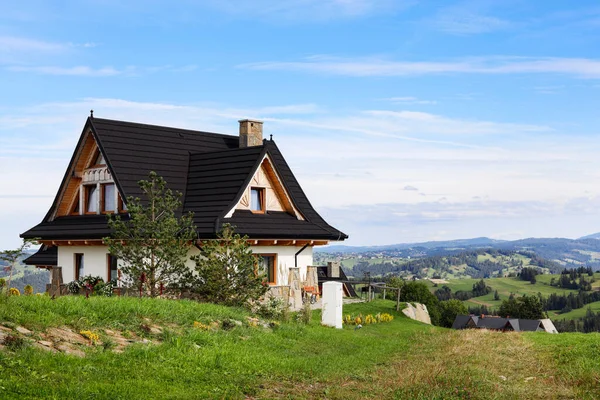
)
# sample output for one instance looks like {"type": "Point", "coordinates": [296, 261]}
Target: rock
{"type": "Point", "coordinates": [5, 329]}
{"type": "Point", "coordinates": [418, 312]}
{"type": "Point", "coordinates": [45, 343]}
{"type": "Point", "coordinates": [236, 322]}
{"type": "Point", "coordinates": [66, 335]}
{"type": "Point", "coordinates": [155, 329]}
{"type": "Point", "coordinates": [69, 349]}
{"type": "Point", "coordinates": [502, 377]}
{"type": "Point", "coordinates": [529, 378]}
{"type": "Point", "coordinates": [23, 331]}
{"type": "Point", "coordinates": [3, 335]}
{"type": "Point", "coordinates": [40, 346]}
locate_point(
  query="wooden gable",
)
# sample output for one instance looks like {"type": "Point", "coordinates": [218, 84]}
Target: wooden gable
{"type": "Point", "coordinates": [277, 199]}
{"type": "Point", "coordinates": [84, 170]}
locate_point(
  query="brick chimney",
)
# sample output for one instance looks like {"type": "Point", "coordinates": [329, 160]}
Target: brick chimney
{"type": "Point", "coordinates": [251, 133]}
{"type": "Point", "coordinates": [333, 269]}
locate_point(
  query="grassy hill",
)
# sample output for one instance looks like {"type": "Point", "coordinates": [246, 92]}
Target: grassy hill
{"type": "Point", "coordinates": [506, 286]}
{"type": "Point", "coordinates": [399, 359]}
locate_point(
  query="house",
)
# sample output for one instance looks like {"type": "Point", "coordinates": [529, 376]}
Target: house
{"type": "Point", "coordinates": [242, 180]}
{"type": "Point", "coordinates": [503, 324]}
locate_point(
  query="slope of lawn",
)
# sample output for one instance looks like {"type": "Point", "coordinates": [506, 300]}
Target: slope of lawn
{"type": "Point", "coordinates": [579, 312]}
{"type": "Point", "coordinates": [399, 359]}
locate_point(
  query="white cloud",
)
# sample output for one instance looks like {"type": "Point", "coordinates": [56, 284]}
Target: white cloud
{"type": "Point", "coordinates": [497, 65]}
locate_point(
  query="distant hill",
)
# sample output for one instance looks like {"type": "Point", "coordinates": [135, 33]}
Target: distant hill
{"type": "Point", "coordinates": [568, 253]}
{"type": "Point", "coordinates": [592, 236]}
{"type": "Point", "coordinates": [458, 243]}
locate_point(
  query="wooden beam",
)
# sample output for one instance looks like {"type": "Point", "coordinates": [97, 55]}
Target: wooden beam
{"type": "Point", "coordinates": [73, 242]}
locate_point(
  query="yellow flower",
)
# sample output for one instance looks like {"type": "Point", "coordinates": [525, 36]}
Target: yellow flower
{"type": "Point", "coordinates": [93, 337]}
{"type": "Point", "coordinates": [201, 326]}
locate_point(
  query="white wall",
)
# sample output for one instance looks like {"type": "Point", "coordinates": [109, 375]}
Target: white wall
{"type": "Point", "coordinates": [95, 260]}
{"type": "Point", "coordinates": [285, 260]}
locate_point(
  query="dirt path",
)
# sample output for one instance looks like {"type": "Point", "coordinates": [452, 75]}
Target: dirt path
{"type": "Point", "coordinates": [447, 365]}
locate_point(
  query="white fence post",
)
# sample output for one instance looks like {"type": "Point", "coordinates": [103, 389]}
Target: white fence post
{"type": "Point", "coordinates": [332, 304]}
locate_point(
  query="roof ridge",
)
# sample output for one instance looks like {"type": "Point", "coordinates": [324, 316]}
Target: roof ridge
{"type": "Point", "coordinates": [158, 127]}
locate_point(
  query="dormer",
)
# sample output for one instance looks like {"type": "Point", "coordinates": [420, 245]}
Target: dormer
{"type": "Point", "coordinates": [266, 193]}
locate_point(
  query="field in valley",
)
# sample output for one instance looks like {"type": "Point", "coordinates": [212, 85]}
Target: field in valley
{"type": "Point", "coordinates": [518, 287]}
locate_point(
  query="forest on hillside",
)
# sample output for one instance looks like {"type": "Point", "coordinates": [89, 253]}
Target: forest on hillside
{"type": "Point", "coordinates": [483, 263]}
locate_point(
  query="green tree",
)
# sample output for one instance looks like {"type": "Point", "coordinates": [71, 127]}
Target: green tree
{"type": "Point", "coordinates": [527, 307]}
{"type": "Point", "coordinates": [449, 310]}
{"type": "Point", "coordinates": [226, 270]}
{"type": "Point", "coordinates": [496, 295]}
{"type": "Point", "coordinates": [531, 307]}
{"type": "Point", "coordinates": [154, 242]}
{"type": "Point", "coordinates": [12, 257]}
{"type": "Point", "coordinates": [509, 308]}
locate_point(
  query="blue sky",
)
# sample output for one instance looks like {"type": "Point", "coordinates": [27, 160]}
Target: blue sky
{"type": "Point", "coordinates": [403, 120]}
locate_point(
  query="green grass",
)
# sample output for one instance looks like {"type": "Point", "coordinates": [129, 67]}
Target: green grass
{"type": "Point", "coordinates": [103, 312]}
{"type": "Point", "coordinates": [222, 364]}
{"type": "Point", "coordinates": [579, 312]}
{"type": "Point", "coordinates": [400, 359]}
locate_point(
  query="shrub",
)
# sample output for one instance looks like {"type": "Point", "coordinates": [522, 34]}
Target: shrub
{"type": "Point", "coordinates": [2, 284]}
{"type": "Point", "coordinates": [385, 317]}
{"type": "Point", "coordinates": [369, 319]}
{"type": "Point", "coordinates": [305, 313]}
{"type": "Point", "coordinates": [105, 289]}
{"type": "Point", "coordinates": [74, 287]}
{"type": "Point", "coordinates": [14, 292]}
{"type": "Point", "coordinates": [226, 271]}
{"type": "Point", "coordinates": [273, 308]}
{"type": "Point", "coordinates": [28, 290]}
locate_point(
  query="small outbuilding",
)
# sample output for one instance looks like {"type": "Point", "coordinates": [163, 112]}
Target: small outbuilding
{"type": "Point", "coordinates": [496, 323]}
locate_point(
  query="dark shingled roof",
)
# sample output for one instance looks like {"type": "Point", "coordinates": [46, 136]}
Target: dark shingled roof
{"type": "Point", "coordinates": [45, 256]}
{"type": "Point", "coordinates": [530, 325]}
{"type": "Point", "coordinates": [497, 323]}
{"type": "Point", "coordinates": [208, 168]}
{"type": "Point", "coordinates": [461, 321]}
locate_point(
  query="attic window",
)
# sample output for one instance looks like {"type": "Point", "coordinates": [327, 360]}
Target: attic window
{"type": "Point", "coordinates": [108, 197]}
{"type": "Point", "coordinates": [91, 199]}
{"type": "Point", "coordinates": [257, 200]}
